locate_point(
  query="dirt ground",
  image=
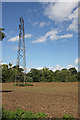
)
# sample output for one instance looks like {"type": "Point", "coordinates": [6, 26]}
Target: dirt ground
{"type": "Point", "coordinates": [54, 99]}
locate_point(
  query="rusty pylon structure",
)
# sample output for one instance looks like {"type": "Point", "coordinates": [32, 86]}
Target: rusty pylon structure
{"type": "Point", "coordinates": [21, 59]}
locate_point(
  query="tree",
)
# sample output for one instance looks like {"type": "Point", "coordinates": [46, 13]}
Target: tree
{"type": "Point", "coordinates": [5, 73]}
{"type": "Point", "coordinates": [47, 75]}
{"type": "Point", "coordinates": [8, 73]}
{"type": "Point", "coordinates": [2, 35]}
{"type": "Point", "coordinates": [34, 73]}
{"type": "Point", "coordinates": [10, 65]}
{"type": "Point", "coordinates": [64, 75]}
{"type": "Point", "coordinates": [18, 72]}
{"type": "Point", "coordinates": [43, 75]}
{"type": "Point", "coordinates": [78, 76]}
{"type": "Point", "coordinates": [73, 70]}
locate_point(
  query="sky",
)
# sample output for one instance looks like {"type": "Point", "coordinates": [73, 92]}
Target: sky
{"type": "Point", "coordinates": [51, 33]}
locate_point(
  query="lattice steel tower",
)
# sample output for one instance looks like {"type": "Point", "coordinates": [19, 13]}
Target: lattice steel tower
{"type": "Point", "coordinates": [21, 59]}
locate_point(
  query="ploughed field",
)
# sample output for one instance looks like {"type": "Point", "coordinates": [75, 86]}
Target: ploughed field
{"type": "Point", "coordinates": [54, 99]}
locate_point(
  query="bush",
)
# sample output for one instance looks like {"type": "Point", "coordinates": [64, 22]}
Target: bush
{"type": "Point", "coordinates": [28, 115]}
{"type": "Point", "coordinates": [20, 114]}
{"type": "Point", "coordinates": [68, 117]}
{"type": "Point", "coordinates": [10, 115]}
{"type": "Point", "coordinates": [40, 115]}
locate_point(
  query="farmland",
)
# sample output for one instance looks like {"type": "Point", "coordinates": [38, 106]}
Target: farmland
{"type": "Point", "coordinates": [55, 99]}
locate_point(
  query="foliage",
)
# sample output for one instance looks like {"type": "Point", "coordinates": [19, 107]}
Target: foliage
{"type": "Point", "coordinates": [29, 79]}
{"type": "Point", "coordinates": [20, 114]}
{"type": "Point", "coordinates": [5, 73]}
{"type": "Point", "coordinates": [78, 76]}
{"type": "Point", "coordinates": [40, 115]}
{"type": "Point", "coordinates": [68, 117]}
{"type": "Point", "coordinates": [35, 74]}
{"type": "Point", "coordinates": [44, 75]}
{"type": "Point", "coordinates": [2, 35]}
{"type": "Point", "coordinates": [9, 73]}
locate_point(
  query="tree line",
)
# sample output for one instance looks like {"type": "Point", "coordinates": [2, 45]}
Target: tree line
{"type": "Point", "coordinates": [9, 73]}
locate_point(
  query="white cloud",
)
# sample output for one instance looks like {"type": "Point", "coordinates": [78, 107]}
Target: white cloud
{"type": "Point", "coordinates": [74, 17]}
{"type": "Point", "coordinates": [1, 63]}
{"type": "Point", "coordinates": [73, 25]}
{"type": "Point", "coordinates": [51, 68]}
{"type": "Point", "coordinates": [63, 11]}
{"type": "Point", "coordinates": [13, 39]}
{"type": "Point", "coordinates": [66, 36]}
{"type": "Point", "coordinates": [28, 69]}
{"type": "Point", "coordinates": [39, 68]}
{"type": "Point", "coordinates": [77, 61]}
{"type": "Point", "coordinates": [40, 40]}
{"type": "Point", "coordinates": [44, 38]}
{"type": "Point", "coordinates": [52, 35]}
{"type": "Point", "coordinates": [59, 10]}
{"type": "Point", "coordinates": [28, 36]}
{"type": "Point", "coordinates": [69, 66]}
{"type": "Point", "coordinates": [56, 37]}
{"type": "Point", "coordinates": [58, 67]}
{"type": "Point", "coordinates": [42, 24]}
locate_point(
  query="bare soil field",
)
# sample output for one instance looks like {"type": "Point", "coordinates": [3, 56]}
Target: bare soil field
{"type": "Point", "coordinates": [54, 99]}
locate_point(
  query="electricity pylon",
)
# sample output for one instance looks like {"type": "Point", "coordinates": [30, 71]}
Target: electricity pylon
{"type": "Point", "coordinates": [21, 59]}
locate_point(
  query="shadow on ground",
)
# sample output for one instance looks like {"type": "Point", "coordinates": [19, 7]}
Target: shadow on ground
{"type": "Point", "coordinates": [6, 91]}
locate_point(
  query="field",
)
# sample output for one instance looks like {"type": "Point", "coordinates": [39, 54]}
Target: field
{"type": "Point", "coordinates": [54, 99]}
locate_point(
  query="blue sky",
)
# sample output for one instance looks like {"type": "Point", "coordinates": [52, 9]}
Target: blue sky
{"type": "Point", "coordinates": [50, 30]}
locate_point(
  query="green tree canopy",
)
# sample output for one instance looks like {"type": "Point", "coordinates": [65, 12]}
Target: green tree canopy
{"type": "Point", "coordinates": [2, 35]}
{"type": "Point", "coordinates": [44, 75]}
